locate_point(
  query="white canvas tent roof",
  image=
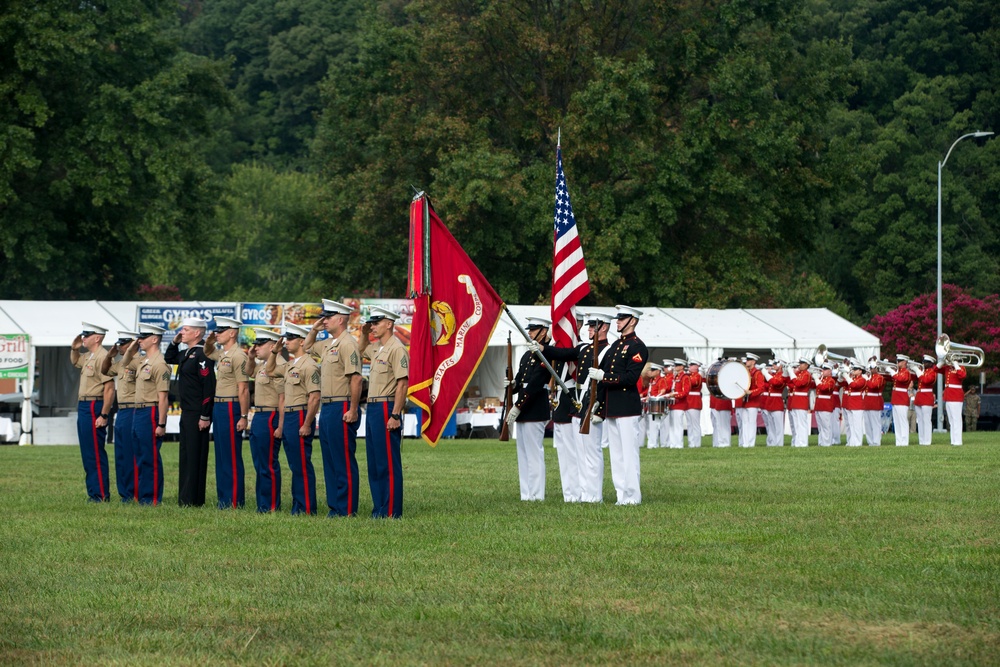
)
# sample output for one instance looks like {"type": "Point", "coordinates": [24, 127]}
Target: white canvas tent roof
{"type": "Point", "coordinates": [811, 327]}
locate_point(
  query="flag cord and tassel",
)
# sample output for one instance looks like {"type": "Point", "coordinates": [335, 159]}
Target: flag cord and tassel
{"type": "Point", "coordinates": [541, 357]}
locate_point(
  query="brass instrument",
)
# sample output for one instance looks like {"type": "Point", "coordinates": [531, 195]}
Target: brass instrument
{"type": "Point", "coordinates": [965, 355]}
{"type": "Point", "coordinates": [886, 368]}
{"type": "Point", "coordinates": [823, 355]}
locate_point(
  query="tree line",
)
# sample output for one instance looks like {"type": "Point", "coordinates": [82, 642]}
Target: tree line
{"type": "Point", "coordinates": [719, 153]}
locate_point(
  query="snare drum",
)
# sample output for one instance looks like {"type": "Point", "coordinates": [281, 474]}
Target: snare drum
{"type": "Point", "coordinates": [727, 379]}
{"type": "Point", "coordinates": [657, 406]}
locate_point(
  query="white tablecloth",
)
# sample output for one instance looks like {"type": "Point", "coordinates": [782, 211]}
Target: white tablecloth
{"type": "Point", "coordinates": [478, 419]}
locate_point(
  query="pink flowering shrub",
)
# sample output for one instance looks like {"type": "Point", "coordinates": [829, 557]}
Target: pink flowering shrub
{"type": "Point", "coordinates": [911, 329]}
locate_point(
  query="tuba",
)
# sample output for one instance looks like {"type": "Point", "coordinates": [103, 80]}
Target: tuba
{"type": "Point", "coordinates": [965, 355]}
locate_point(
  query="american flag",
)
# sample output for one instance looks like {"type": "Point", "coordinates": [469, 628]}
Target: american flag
{"type": "Point", "coordinates": [569, 273]}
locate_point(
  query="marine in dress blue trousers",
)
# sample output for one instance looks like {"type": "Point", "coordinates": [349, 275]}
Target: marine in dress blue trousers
{"type": "Point", "coordinates": [385, 469]}
{"type": "Point", "coordinates": [338, 441]}
{"type": "Point", "coordinates": [126, 465]}
{"type": "Point", "coordinates": [264, 448]}
{"type": "Point", "coordinates": [298, 452]}
{"type": "Point", "coordinates": [95, 458]}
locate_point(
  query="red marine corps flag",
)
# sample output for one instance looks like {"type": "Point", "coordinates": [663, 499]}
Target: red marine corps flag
{"type": "Point", "coordinates": [455, 312]}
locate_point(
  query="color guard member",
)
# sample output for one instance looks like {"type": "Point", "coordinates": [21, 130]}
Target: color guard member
{"type": "Point", "coordinates": [125, 461]}
{"type": "Point", "coordinates": [695, 404]}
{"type": "Point", "coordinates": [384, 417]}
{"type": "Point", "coordinates": [302, 394]}
{"type": "Point", "coordinates": [618, 403]}
{"type": "Point", "coordinates": [773, 405]}
{"type": "Point", "coordinates": [924, 402]}
{"type": "Point", "coordinates": [340, 373]}
{"type": "Point", "coordinates": [900, 399]}
{"type": "Point", "coordinates": [565, 435]}
{"type": "Point", "coordinates": [953, 397]}
{"type": "Point", "coordinates": [531, 412]}
{"type": "Point", "coordinates": [232, 407]}
{"type": "Point", "coordinates": [798, 404]}
{"type": "Point", "coordinates": [752, 402]}
{"type": "Point", "coordinates": [96, 393]}
{"type": "Point", "coordinates": [268, 420]}
{"type": "Point", "coordinates": [592, 459]}
{"type": "Point", "coordinates": [823, 409]}
{"type": "Point", "coordinates": [149, 423]}
{"type": "Point", "coordinates": [678, 408]}
{"type": "Point", "coordinates": [196, 389]}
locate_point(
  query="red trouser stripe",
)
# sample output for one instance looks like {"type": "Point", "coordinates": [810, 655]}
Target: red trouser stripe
{"type": "Point", "coordinates": [152, 444]}
{"type": "Point", "coordinates": [97, 453]}
{"type": "Point", "coordinates": [232, 448]}
{"type": "Point", "coordinates": [388, 456]}
{"type": "Point", "coordinates": [270, 457]}
{"type": "Point", "coordinates": [347, 461]}
{"type": "Point", "coordinates": [302, 457]}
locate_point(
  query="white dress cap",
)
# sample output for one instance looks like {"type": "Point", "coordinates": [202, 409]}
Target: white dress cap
{"type": "Point", "coordinates": [538, 323]}
{"type": "Point", "coordinates": [376, 313]}
{"type": "Point", "coordinates": [227, 322]}
{"type": "Point", "coordinates": [335, 308]}
{"type": "Point", "coordinates": [151, 330]}
{"type": "Point", "coordinates": [127, 335]}
{"type": "Point", "coordinates": [655, 367]}
{"type": "Point", "coordinates": [628, 311]}
{"type": "Point", "coordinates": [751, 355]}
{"type": "Point", "coordinates": [296, 330]}
{"type": "Point", "coordinates": [89, 328]}
{"type": "Point", "coordinates": [195, 322]}
{"type": "Point", "coordinates": [694, 362]}
{"type": "Point", "coordinates": [598, 318]}
{"type": "Point", "coordinates": [262, 334]}
{"type": "Point", "coordinates": [929, 358]}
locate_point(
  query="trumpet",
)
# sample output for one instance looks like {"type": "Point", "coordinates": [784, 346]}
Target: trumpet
{"type": "Point", "coordinates": [964, 355]}
{"type": "Point", "coordinates": [886, 368]}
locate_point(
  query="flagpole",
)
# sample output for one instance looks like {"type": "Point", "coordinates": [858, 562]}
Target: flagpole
{"type": "Point", "coordinates": [541, 357]}
{"type": "Point", "coordinates": [427, 246]}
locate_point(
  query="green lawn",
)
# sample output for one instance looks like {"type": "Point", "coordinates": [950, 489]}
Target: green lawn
{"type": "Point", "coordinates": [762, 556]}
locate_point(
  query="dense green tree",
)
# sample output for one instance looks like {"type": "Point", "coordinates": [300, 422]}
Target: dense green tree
{"type": "Point", "coordinates": [694, 140]}
{"type": "Point", "coordinates": [98, 119]}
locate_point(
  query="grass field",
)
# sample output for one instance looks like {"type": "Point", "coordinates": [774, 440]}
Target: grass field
{"type": "Point", "coordinates": [761, 556]}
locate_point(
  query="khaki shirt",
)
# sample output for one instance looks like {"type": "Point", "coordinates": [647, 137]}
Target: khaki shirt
{"type": "Point", "coordinates": [91, 379]}
{"type": "Point", "coordinates": [230, 369]}
{"type": "Point", "coordinates": [152, 377]}
{"type": "Point", "coordinates": [125, 382]}
{"type": "Point", "coordinates": [267, 388]}
{"type": "Point", "coordinates": [389, 364]}
{"type": "Point", "coordinates": [340, 359]}
{"type": "Point", "coordinates": [301, 379]}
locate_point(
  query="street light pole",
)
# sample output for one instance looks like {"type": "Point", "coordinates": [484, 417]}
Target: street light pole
{"type": "Point", "coordinates": [940, 403]}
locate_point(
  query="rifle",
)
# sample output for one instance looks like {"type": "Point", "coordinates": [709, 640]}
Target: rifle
{"type": "Point", "coordinates": [585, 420]}
{"type": "Point", "coordinates": [508, 398]}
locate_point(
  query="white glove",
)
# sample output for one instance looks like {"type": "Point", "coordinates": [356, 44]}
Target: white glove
{"type": "Point", "coordinates": [957, 366]}
{"type": "Point", "coordinates": [533, 346]}
{"type": "Point", "coordinates": [788, 372]}
{"type": "Point", "coordinates": [767, 376]}
{"type": "Point", "coordinates": [507, 383]}
{"type": "Point", "coordinates": [512, 416]}
{"type": "Point", "coordinates": [595, 374]}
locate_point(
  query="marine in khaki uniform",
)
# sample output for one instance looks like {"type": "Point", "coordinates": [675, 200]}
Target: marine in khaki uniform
{"type": "Point", "coordinates": [95, 394]}
{"type": "Point", "coordinates": [232, 407]}
{"type": "Point", "coordinates": [387, 385]}
{"type": "Point", "coordinates": [340, 370]}
{"type": "Point", "coordinates": [126, 463]}
{"type": "Point", "coordinates": [149, 422]}
{"type": "Point", "coordinates": [268, 419]}
{"type": "Point", "coordinates": [302, 389]}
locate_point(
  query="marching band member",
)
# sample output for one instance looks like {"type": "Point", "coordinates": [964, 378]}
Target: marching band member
{"type": "Point", "coordinates": [752, 402]}
{"type": "Point", "coordinates": [774, 404]}
{"type": "Point", "coordinates": [679, 392]}
{"type": "Point", "coordinates": [649, 393]}
{"type": "Point", "coordinates": [694, 403]}
{"type": "Point", "coordinates": [953, 397]}
{"type": "Point", "coordinates": [664, 386]}
{"type": "Point", "coordinates": [924, 402]}
{"type": "Point", "coordinates": [823, 409]}
{"type": "Point", "coordinates": [618, 403]}
{"type": "Point", "coordinates": [722, 420]}
{"type": "Point", "coordinates": [873, 403]}
{"type": "Point", "coordinates": [740, 412]}
{"type": "Point", "coordinates": [854, 405]}
{"type": "Point", "coordinates": [900, 399]}
{"type": "Point", "coordinates": [798, 404]}
{"type": "Point", "coordinates": [835, 416]}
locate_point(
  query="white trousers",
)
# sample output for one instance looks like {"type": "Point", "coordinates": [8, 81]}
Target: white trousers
{"type": "Point", "coordinates": [591, 463]}
{"type": "Point", "coordinates": [835, 426]}
{"type": "Point", "coordinates": [748, 427]}
{"type": "Point", "coordinates": [854, 420]}
{"type": "Point", "coordinates": [774, 425]}
{"type": "Point", "coordinates": [655, 427]}
{"type": "Point", "coordinates": [901, 424]}
{"type": "Point", "coordinates": [569, 451]}
{"type": "Point", "coordinates": [694, 427]}
{"type": "Point", "coordinates": [953, 409]}
{"type": "Point", "coordinates": [640, 429]}
{"type": "Point", "coordinates": [531, 460]}
{"type": "Point", "coordinates": [675, 434]}
{"type": "Point", "coordinates": [873, 427]}
{"type": "Point", "coordinates": [722, 428]}
{"type": "Point", "coordinates": [624, 451]}
{"type": "Point", "coordinates": [924, 429]}
{"type": "Point", "coordinates": [824, 425]}
{"type": "Point", "coordinates": [800, 427]}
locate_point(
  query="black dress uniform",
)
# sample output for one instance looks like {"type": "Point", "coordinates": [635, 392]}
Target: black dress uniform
{"type": "Point", "coordinates": [196, 375]}
{"type": "Point", "coordinates": [530, 384]}
{"type": "Point", "coordinates": [621, 408]}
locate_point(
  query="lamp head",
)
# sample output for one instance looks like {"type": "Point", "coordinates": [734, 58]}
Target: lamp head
{"type": "Point", "coordinates": [982, 134]}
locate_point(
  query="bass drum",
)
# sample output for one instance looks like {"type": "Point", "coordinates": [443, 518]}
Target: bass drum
{"type": "Point", "coordinates": [728, 379]}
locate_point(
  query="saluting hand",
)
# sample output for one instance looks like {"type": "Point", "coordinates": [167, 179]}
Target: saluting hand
{"type": "Point", "coordinates": [177, 338]}
{"type": "Point", "coordinates": [279, 345]}
{"type": "Point", "coordinates": [318, 324]}
{"type": "Point", "coordinates": [366, 330]}
{"type": "Point", "coordinates": [211, 338]}
{"type": "Point", "coordinates": [133, 347]}
{"type": "Point", "coordinates": [77, 342]}
{"type": "Point", "coordinates": [114, 350]}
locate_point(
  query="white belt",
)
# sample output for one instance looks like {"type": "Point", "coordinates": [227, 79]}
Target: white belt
{"type": "Point", "coordinates": [800, 393]}
{"type": "Point", "coordinates": [821, 397]}
{"type": "Point", "coordinates": [931, 389]}
{"type": "Point", "coordinates": [900, 389]}
{"type": "Point", "coordinates": [954, 386]}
